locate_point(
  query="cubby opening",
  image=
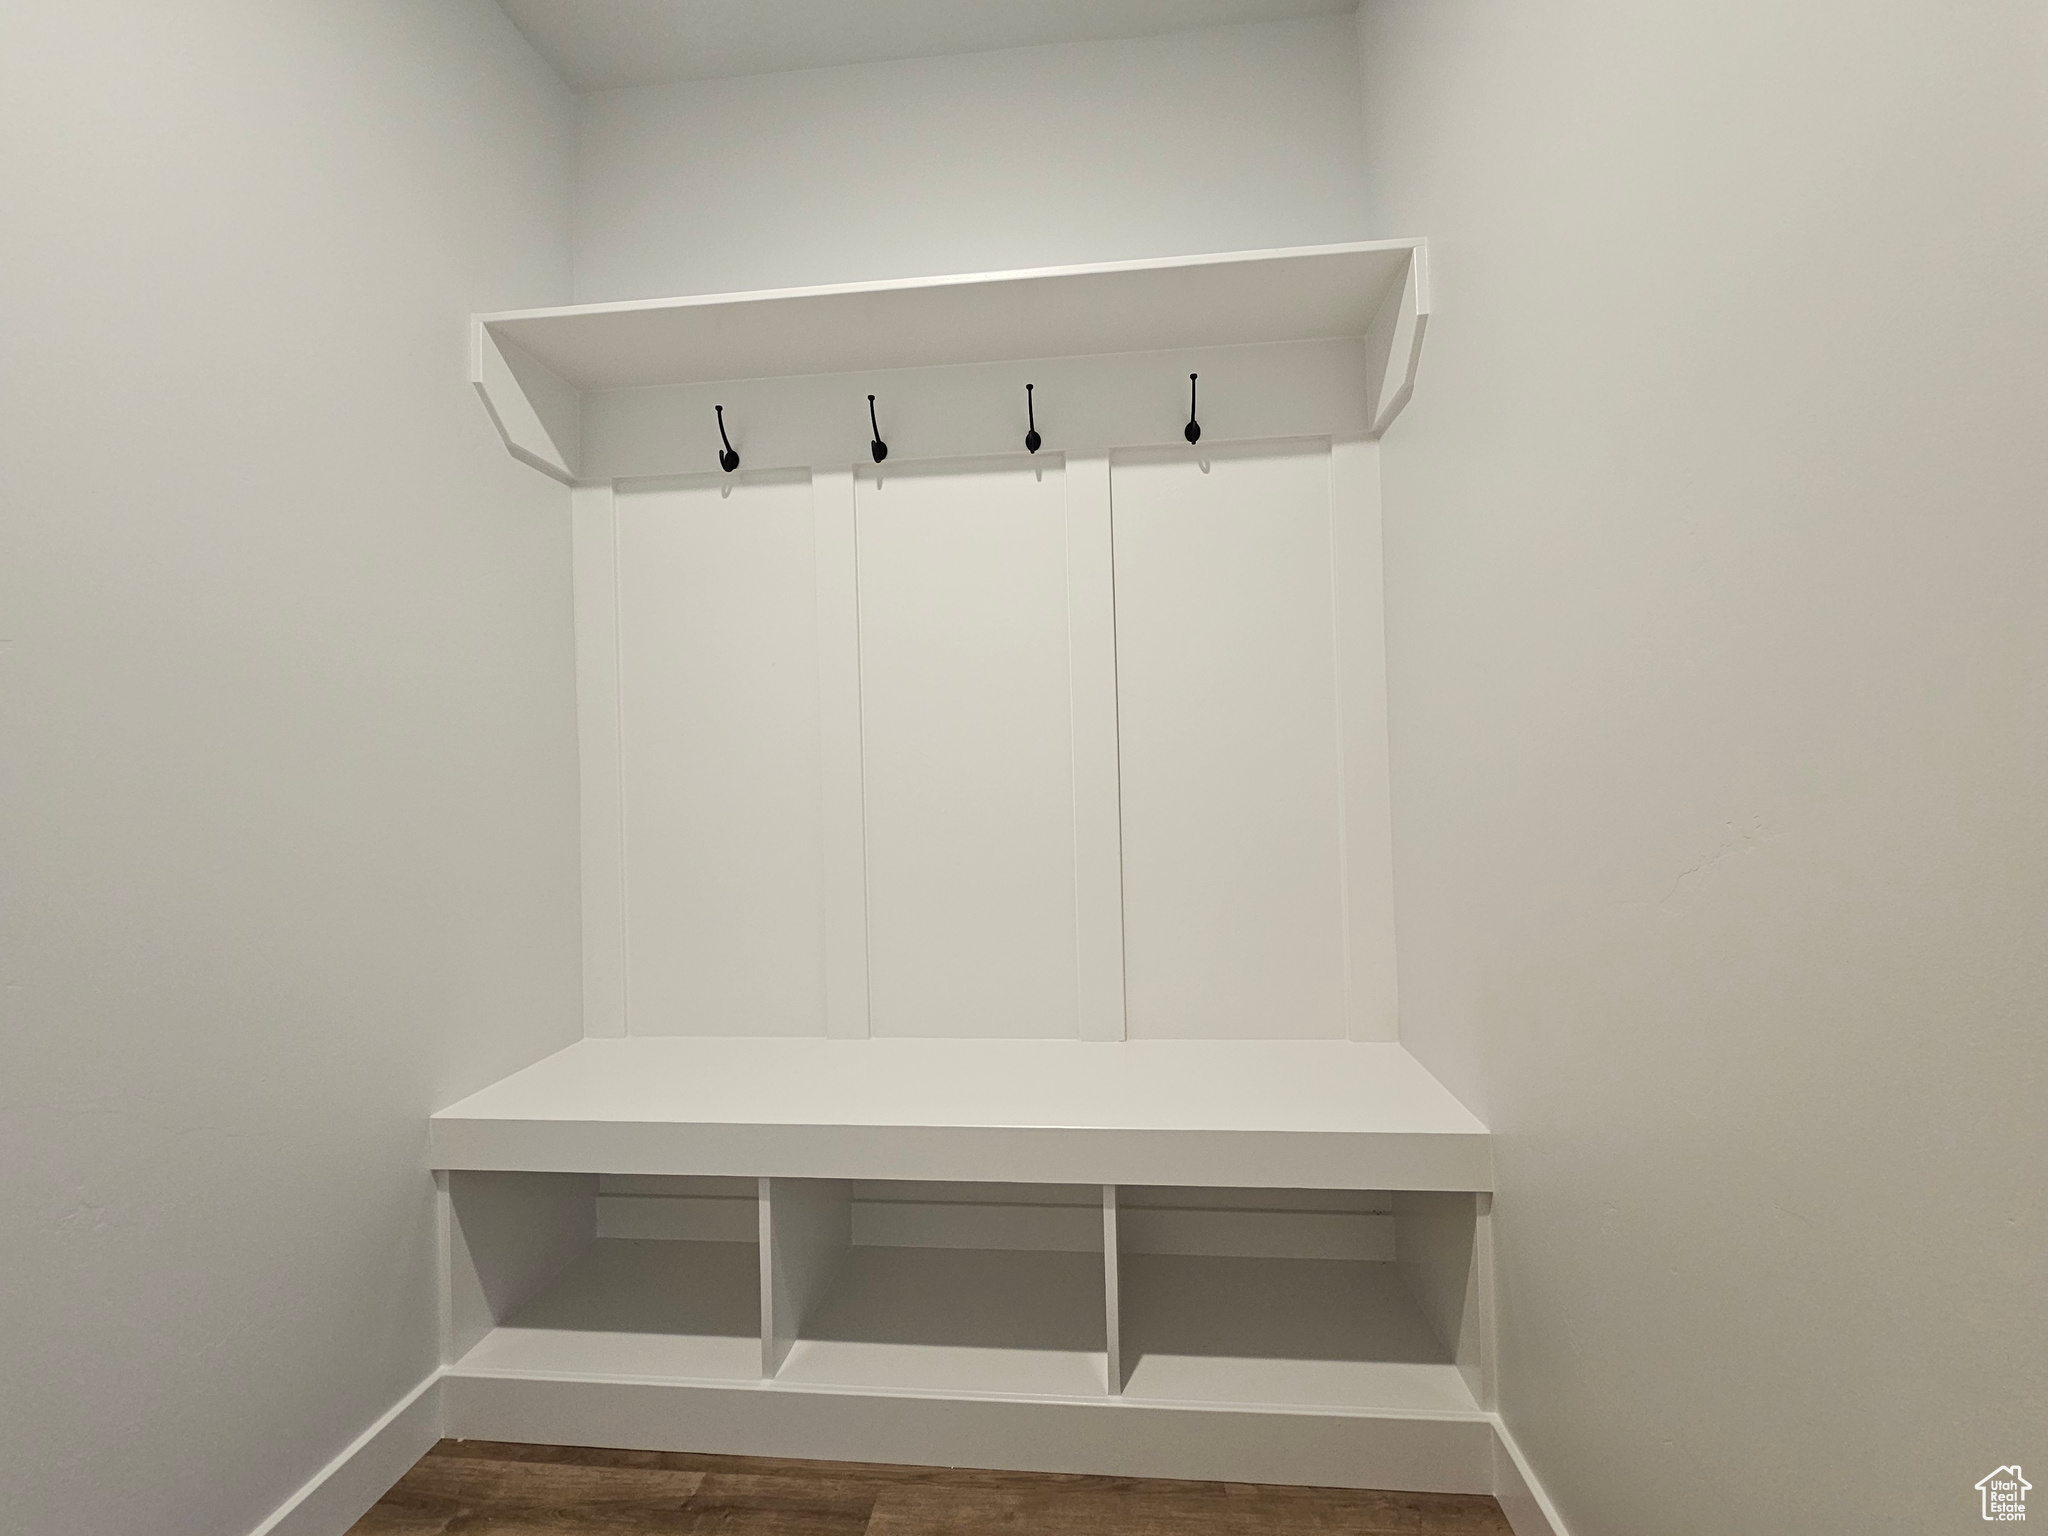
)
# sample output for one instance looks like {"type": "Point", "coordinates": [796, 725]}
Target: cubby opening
{"type": "Point", "coordinates": [1317, 1300]}
{"type": "Point", "coordinates": [945, 1288]}
{"type": "Point", "coordinates": [1299, 1299]}
{"type": "Point", "coordinates": [613, 1276]}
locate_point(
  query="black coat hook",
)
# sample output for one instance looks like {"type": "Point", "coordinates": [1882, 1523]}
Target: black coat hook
{"type": "Point", "coordinates": [1031, 438]}
{"type": "Point", "coordinates": [878, 448]}
{"type": "Point", "coordinates": [728, 460]}
{"type": "Point", "coordinates": [1193, 432]}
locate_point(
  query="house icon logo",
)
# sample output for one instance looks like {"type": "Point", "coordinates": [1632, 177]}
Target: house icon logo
{"type": "Point", "coordinates": [2005, 1495]}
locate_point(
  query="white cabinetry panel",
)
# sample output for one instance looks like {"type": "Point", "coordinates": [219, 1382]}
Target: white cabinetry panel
{"type": "Point", "coordinates": [719, 712]}
{"type": "Point", "coordinates": [1228, 742]}
{"type": "Point", "coordinates": [967, 741]}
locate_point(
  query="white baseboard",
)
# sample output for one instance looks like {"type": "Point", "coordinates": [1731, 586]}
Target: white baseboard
{"type": "Point", "coordinates": [1521, 1497]}
{"type": "Point", "coordinates": [1110, 1436]}
{"type": "Point", "coordinates": [339, 1494]}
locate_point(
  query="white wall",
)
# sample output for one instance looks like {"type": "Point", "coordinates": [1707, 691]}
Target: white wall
{"type": "Point", "coordinates": [288, 771]}
{"type": "Point", "coordinates": [1717, 542]}
{"type": "Point", "coordinates": [1226, 139]}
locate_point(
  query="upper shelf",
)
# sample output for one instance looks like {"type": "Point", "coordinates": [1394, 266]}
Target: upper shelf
{"type": "Point", "coordinates": [1374, 291]}
{"type": "Point", "coordinates": [1328, 1114]}
{"type": "Point", "coordinates": [1304, 294]}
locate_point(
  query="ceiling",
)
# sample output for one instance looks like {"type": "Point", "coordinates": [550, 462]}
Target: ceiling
{"type": "Point", "coordinates": [597, 45]}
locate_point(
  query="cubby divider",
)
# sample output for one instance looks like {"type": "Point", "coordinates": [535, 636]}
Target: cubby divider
{"type": "Point", "coordinates": [1112, 1310]}
{"type": "Point", "coordinates": [806, 1229]}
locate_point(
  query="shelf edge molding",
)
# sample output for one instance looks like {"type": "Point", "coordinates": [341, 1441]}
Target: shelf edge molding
{"type": "Point", "coordinates": [536, 369]}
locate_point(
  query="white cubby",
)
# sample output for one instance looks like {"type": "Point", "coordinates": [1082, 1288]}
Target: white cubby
{"type": "Point", "coordinates": [638, 1307]}
{"type": "Point", "coordinates": [1288, 1298]}
{"type": "Point", "coordinates": [1330, 1333]}
{"type": "Point", "coordinates": [1152, 1300]}
{"type": "Point", "coordinates": [954, 1320]}
{"type": "Point", "coordinates": [938, 1288]}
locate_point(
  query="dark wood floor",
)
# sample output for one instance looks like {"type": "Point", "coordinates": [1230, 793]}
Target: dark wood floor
{"type": "Point", "coordinates": [477, 1488]}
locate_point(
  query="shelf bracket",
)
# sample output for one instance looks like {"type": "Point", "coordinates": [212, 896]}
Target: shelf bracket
{"type": "Point", "coordinates": [536, 412]}
{"type": "Point", "coordinates": [1393, 342]}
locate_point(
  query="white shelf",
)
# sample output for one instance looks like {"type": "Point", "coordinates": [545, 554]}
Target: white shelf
{"type": "Point", "coordinates": [535, 368]}
{"type": "Point", "coordinates": [1296, 1333]}
{"type": "Point", "coordinates": [677, 1311]}
{"type": "Point", "coordinates": [1303, 294]}
{"type": "Point", "coordinates": [1297, 1114]}
{"type": "Point", "coordinates": [959, 1321]}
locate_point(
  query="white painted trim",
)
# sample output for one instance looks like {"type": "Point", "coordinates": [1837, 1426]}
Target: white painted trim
{"type": "Point", "coordinates": [806, 1229]}
{"type": "Point", "coordinates": [444, 1265]}
{"type": "Point", "coordinates": [594, 544]}
{"type": "Point", "coordinates": [1282, 255]}
{"type": "Point", "coordinates": [1365, 813]}
{"type": "Point", "coordinates": [538, 416]}
{"type": "Point", "coordinates": [1444, 1452]}
{"type": "Point", "coordinates": [842, 808]}
{"type": "Point", "coordinates": [1394, 341]}
{"type": "Point", "coordinates": [1270, 1114]}
{"type": "Point", "coordinates": [1098, 816]}
{"type": "Point", "coordinates": [339, 1494]}
{"type": "Point", "coordinates": [1112, 1288]}
{"type": "Point", "coordinates": [539, 370]}
{"type": "Point", "coordinates": [1522, 1498]}
{"type": "Point", "coordinates": [1223, 299]}
{"type": "Point", "coordinates": [1482, 1369]}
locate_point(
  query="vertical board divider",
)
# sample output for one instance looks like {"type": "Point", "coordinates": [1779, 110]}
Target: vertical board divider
{"type": "Point", "coordinates": [1098, 827]}
{"type": "Point", "coordinates": [806, 1229]}
{"type": "Point", "coordinates": [842, 811]}
{"type": "Point", "coordinates": [1358, 599]}
{"type": "Point", "coordinates": [1112, 1291]}
{"type": "Point", "coordinates": [594, 544]}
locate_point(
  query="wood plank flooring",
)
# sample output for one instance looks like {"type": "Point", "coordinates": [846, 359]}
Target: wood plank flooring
{"type": "Point", "coordinates": [478, 1488]}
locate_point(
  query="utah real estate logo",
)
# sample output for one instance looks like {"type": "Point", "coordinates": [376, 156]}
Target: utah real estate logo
{"type": "Point", "coordinates": [2005, 1494]}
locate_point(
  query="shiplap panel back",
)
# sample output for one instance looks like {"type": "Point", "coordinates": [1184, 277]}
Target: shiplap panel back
{"type": "Point", "coordinates": [967, 741]}
{"type": "Point", "coordinates": [1228, 743]}
{"type": "Point", "coordinates": [951, 738]}
{"type": "Point", "coordinates": [720, 758]}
